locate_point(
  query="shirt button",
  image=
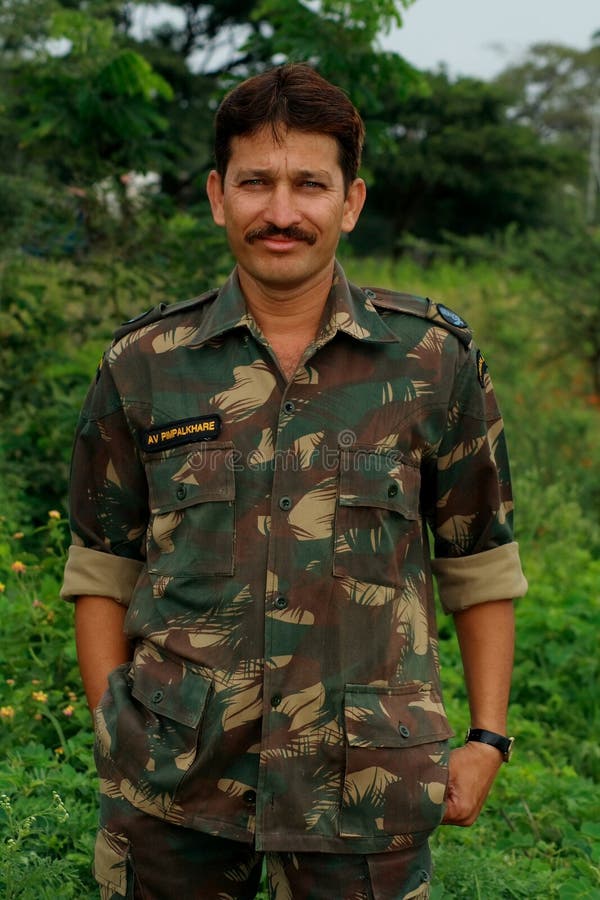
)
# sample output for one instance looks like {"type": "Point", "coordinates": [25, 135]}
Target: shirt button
{"type": "Point", "coordinates": [392, 490]}
{"type": "Point", "coordinates": [250, 797]}
{"type": "Point", "coordinates": [285, 503]}
{"type": "Point", "coordinates": [157, 696]}
{"type": "Point", "coordinates": [289, 407]}
{"type": "Point", "coordinates": [181, 491]}
{"type": "Point", "coordinates": [276, 700]}
{"type": "Point", "coordinates": [404, 732]}
{"type": "Point", "coordinates": [280, 602]}
{"type": "Point", "coordinates": [424, 875]}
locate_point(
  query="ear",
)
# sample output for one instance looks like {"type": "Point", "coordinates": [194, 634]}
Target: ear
{"type": "Point", "coordinates": [214, 189]}
{"type": "Point", "coordinates": [353, 204]}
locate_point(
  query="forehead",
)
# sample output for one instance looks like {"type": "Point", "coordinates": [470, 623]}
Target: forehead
{"type": "Point", "coordinates": [302, 150]}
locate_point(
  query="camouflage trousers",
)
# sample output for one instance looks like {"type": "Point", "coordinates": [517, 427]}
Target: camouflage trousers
{"type": "Point", "coordinates": [140, 857]}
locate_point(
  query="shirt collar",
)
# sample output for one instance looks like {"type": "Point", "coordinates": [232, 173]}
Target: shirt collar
{"type": "Point", "coordinates": [351, 311]}
{"type": "Point", "coordinates": [226, 312]}
{"type": "Point", "coordinates": [348, 309]}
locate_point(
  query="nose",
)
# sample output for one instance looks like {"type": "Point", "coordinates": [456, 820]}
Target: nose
{"type": "Point", "coordinates": [281, 210]}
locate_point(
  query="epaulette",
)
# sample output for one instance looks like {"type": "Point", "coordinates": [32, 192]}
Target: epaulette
{"type": "Point", "coordinates": [161, 312]}
{"type": "Point", "coordinates": [423, 307]}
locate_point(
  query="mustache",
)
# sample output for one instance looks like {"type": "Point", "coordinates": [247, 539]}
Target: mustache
{"type": "Point", "coordinates": [292, 233]}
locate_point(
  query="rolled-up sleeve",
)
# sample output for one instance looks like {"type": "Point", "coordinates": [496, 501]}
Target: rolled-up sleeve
{"type": "Point", "coordinates": [108, 505]}
{"type": "Point", "coordinates": [99, 574]}
{"type": "Point", "coordinates": [495, 574]}
{"type": "Point", "coordinates": [470, 511]}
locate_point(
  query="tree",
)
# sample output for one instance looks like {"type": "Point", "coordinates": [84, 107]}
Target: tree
{"type": "Point", "coordinates": [554, 90]}
{"type": "Point", "coordinates": [455, 162]}
{"type": "Point", "coordinates": [91, 91]}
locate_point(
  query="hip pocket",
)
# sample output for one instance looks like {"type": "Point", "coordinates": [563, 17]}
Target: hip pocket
{"type": "Point", "coordinates": [148, 724]}
{"type": "Point", "coordinates": [192, 511]}
{"type": "Point", "coordinates": [112, 867]}
{"type": "Point", "coordinates": [396, 760]}
{"type": "Point", "coordinates": [377, 516]}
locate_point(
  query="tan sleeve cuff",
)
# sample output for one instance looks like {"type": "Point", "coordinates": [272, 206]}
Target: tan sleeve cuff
{"type": "Point", "coordinates": [464, 581]}
{"type": "Point", "coordinates": [99, 574]}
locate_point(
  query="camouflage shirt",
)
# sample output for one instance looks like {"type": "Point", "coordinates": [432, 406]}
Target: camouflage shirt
{"type": "Point", "coordinates": [270, 539]}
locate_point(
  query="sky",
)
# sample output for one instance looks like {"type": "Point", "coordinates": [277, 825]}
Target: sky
{"type": "Point", "coordinates": [481, 37]}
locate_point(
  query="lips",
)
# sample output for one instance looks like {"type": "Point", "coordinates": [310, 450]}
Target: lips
{"type": "Point", "coordinates": [279, 244]}
{"type": "Point", "coordinates": [280, 238]}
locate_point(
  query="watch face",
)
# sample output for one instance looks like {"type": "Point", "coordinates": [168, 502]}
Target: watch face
{"type": "Point", "coordinates": [509, 750]}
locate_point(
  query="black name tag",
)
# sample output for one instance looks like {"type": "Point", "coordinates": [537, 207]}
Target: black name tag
{"type": "Point", "coordinates": [202, 428]}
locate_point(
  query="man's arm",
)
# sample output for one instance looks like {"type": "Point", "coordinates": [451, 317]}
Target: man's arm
{"type": "Point", "coordinates": [101, 643]}
{"type": "Point", "coordinates": [486, 635]}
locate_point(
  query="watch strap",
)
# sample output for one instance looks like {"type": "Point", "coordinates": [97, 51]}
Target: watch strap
{"type": "Point", "coordinates": [499, 741]}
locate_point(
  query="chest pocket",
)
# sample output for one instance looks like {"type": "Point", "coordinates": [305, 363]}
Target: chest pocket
{"type": "Point", "coordinates": [377, 521]}
{"type": "Point", "coordinates": [192, 511]}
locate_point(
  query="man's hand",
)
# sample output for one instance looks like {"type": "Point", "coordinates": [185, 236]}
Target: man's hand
{"type": "Point", "coordinates": [472, 772]}
{"type": "Point", "coordinates": [101, 643]}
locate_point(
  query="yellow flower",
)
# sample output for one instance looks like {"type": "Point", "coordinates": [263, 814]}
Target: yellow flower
{"type": "Point", "coordinates": [7, 712]}
{"type": "Point", "coordinates": [11, 682]}
{"type": "Point", "coordinates": [2, 587]}
{"type": "Point", "coordinates": [58, 750]}
{"type": "Point", "coordinates": [53, 514]}
{"type": "Point", "coordinates": [68, 710]}
{"type": "Point", "coordinates": [40, 696]}
{"type": "Point", "coordinates": [18, 566]}
{"type": "Point", "coordinates": [18, 535]}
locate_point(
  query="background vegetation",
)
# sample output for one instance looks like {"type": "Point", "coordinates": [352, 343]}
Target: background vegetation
{"type": "Point", "coordinates": [481, 194]}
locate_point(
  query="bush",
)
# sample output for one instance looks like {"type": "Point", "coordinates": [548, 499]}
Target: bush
{"type": "Point", "coordinates": [47, 779]}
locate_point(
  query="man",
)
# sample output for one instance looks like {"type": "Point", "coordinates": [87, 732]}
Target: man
{"type": "Point", "coordinates": [253, 474]}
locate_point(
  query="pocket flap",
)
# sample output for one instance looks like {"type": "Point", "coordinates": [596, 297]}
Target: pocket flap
{"type": "Point", "coordinates": [403, 716]}
{"type": "Point", "coordinates": [169, 687]}
{"type": "Point", "coordinates": [372, 478]}
{"type": "Point", "coordinates": [195, 475]}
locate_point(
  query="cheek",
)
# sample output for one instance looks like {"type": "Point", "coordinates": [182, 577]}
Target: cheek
{"type": "Point", "coordinates": [239, 222]}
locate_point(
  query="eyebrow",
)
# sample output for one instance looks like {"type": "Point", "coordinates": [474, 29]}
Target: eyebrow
{"type": "Point", "coordinates": [309, 174]}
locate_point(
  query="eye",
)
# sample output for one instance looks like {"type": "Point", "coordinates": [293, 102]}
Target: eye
{"type": "Point", "coordinates": [313, 185]}
{"type": "Point", "coordinates": [252, 182]}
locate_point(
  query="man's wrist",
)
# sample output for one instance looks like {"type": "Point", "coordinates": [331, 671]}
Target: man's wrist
{"type": "Point", "coordinates": [500, 742]}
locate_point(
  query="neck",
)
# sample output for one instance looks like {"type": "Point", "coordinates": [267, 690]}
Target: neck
{"type": "Point", "coordinates": [280, 312]}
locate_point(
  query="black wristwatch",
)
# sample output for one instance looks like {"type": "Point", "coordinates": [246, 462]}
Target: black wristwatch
{"type": "Point", "coordinates": [501, 743]}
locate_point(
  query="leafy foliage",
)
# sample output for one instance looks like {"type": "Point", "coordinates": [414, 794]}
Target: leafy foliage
{"type": "Point", "coordinates": [453, 161]}
{"type": "Point", "coordinates": [554, 89]}
{"type": "Point", "coordinates": [565, 268]}
{"type": "Point", "coordinates": [90, 111]}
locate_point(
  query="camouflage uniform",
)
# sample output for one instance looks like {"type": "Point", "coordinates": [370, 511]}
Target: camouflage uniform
{"type": "Point", "coordinates": [269, 540]}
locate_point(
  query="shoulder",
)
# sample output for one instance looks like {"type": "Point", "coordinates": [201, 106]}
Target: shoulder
{"type": "Point", "coordinates": [410, 304]}
{"type": "Point", "coordinates": [161, 312]}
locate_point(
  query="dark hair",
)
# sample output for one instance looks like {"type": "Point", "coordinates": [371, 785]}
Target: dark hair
{"type": "Point", "coordinates": [290, 96]}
